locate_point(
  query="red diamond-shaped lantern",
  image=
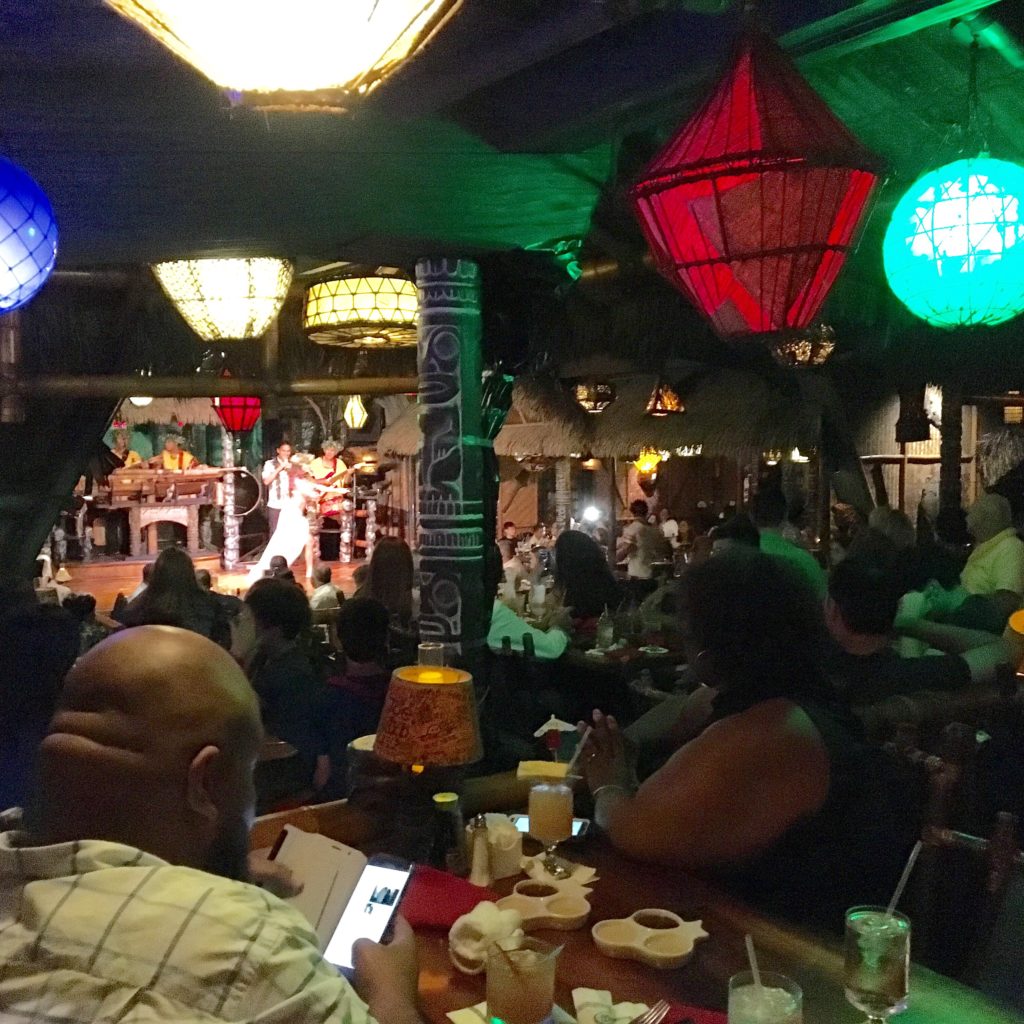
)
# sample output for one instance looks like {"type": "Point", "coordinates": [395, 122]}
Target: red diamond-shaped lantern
{"type": "Point", "coordinates": [238, 413]}
{"type": "Point", "coordinates": [751, 208]}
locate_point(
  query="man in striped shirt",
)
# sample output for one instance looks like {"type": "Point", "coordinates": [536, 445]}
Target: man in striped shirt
{"type": "Point", "coordinates": [122, 896]}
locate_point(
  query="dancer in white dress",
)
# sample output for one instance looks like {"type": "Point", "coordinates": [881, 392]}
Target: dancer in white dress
{"type": "Point", "coordinates": [292, 535]}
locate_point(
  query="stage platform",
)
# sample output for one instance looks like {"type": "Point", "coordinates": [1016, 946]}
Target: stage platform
{"type": "Point", "coordinates": [105, 578]}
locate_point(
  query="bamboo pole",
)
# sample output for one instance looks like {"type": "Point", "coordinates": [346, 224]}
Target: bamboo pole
{"type": "Point", "coordinates": [196, 386]}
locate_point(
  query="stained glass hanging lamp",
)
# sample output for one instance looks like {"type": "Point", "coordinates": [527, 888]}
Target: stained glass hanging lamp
{"type": "Point", "coordinates": [954, 248]}
{"type": "Point", "coordinates": [664, 401]}
{"type": "Point", "coordinates": [237, 413]}
{"type": "Point", "coordinates": [299, 55]}
{"type": "Point", "coordinates": [226, 299]}
{"type": "Point", "coordinates": [355, 414]}
{"type": "Point", "coordinates": [752, 207]}
{"type": "Point", "coordinates": [362, 311]}
{"type": "Point", "coordinates": [594, 396]}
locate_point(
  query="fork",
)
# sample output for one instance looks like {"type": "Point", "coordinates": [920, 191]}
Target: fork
{"type": "Point", "coordinates": [655, 1015]}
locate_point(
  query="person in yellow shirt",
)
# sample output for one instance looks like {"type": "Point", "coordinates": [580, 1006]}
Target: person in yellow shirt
{"type": "Point", "coordinates": [122, 449]}
{"type": "Point", "coordinates": [329, 470]}
{"type": "Point", "coordinates": [995, 568]}
{"type": "Point", "coordinates": [174, 456]}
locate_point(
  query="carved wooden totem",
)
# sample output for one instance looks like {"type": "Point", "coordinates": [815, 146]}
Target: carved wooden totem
{"type": "Point", "coordinates": [453, 607]}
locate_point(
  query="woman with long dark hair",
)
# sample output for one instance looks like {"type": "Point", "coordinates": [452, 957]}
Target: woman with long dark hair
{"type": "Point", "coordinates": [174, 598]}
{"type": "Point", "coordinates": [389, 579]}
{"type": "Point", "coordinates": [583, 577]}
{"type": "Point", "coordinates": [776, 793]}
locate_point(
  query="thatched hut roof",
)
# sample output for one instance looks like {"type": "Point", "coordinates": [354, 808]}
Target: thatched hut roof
{"type": "Point", "coordinates": [725, 410]}
{"type": "Point", "coordinates": [171, 410]}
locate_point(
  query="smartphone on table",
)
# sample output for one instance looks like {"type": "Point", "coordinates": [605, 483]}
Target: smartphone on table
{"type": "Point", "coordinates": [580, 826]}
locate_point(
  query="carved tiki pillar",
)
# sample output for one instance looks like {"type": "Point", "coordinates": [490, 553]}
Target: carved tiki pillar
{"type": "Point", "coordinates": [563, 494]}
{"type": "Point", "coordinates": [231, 521]}
{"type": "Point", "coordinates": [453, 608]}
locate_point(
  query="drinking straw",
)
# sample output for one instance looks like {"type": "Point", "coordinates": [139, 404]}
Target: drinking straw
{"type": "Point", "coordinates": [904, 878]}
{"type": "Point", "coordinates": [579, 750]}
{"type": "Point", "coordinates": [752, 957]}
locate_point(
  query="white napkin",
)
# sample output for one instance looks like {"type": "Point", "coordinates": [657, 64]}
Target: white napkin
{"type": "Point", "coordinates": [474, 933]}
{"type": "Point", "coordinates": [581, 874]}
{"type": "Point", "coordinates": [594, 1006]}
{"type": "Point", "coordinates": [478, 1013]}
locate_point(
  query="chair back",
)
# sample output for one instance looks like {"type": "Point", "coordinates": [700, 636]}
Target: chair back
{"type": "Point", "coordinates": [961, 879]}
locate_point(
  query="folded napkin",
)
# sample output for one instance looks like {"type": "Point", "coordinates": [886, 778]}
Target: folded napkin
{"type": "Point", "coordinates": [436, 899]}
{"type": "Point", "coordinates": [477, 1014]}
{"type": "Point", "coordinates": [594, 1006]}
{"type": "Point", "coordinates": [581, 874]}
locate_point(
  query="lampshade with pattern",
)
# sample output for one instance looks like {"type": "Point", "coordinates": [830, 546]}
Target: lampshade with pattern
{"type": "Point", "coordinates": [355, 414]}
{"type": "Point", "coordinates": [370, 311]}
{"type": "Point", "coordinates": [226, 299]}
{"type": "Point", "coordinates": [752, 207]}
{"type": "Point", "coordinates": [28, 236]}
{"type": "Point", "coordinates": [429, 718]}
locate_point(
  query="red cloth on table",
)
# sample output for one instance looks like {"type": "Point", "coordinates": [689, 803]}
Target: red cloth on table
{"type": "Point", "coordinates": [436, 899]}
{"type": "Point", "coordinates": [679, 1012]}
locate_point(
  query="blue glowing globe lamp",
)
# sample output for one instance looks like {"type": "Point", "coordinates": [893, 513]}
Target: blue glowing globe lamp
{"type": "Point", "coordinates": [954, 249]}
{"type": "Point", "coordinates": [28, 237]}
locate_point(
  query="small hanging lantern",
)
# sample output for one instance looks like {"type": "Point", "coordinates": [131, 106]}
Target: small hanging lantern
{"type": "Point", "coordinates": [664, 401]}
{"type": "Point", "coordinates": [772, 456]}
{"type": "Point", "coordinates": [798, 457]}
{"type": "Point", "coordinates": [913, 423]}
{"type": "Point", "coordinates": [752, 207]}
{"type": "Point", "coordinates": [805, 348]}
{"type": "Point", "coordinates": [594, 396]}
{"type": "Point", "coordinates": [647, 461]}
{"type": "Point", "coordinates": [237, 413]}
{"type": "Point", "coordinates": [362, 312]}
{"type": "Point", "coordinates": [355, 414]}
{"type": "Point", "coordinates": [689, 451]}
{"type": "Point", "coordinates": [1013, 414]}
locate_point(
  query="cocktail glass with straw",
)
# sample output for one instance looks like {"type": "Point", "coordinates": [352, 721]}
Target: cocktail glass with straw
{"type": "Point", "coordinates": [521, 981]}
{"type": "Point", "coordinates": [877, 963]}
{"type": "Point", "coordinates": [763, 997]}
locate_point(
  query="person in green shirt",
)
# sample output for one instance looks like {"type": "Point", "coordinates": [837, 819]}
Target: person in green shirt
{"type": "Point", "coordinates": [768, 510]}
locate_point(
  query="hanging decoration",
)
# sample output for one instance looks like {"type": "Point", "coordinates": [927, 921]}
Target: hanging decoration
{"type": "Point", "coordinates": [913, 423]}
{"type": "Point", "coordinates": [689, 451]}
{"type": "Point", "coordinates": [362, 312]}
{"type": "Point", "coordinates": [752, 207]}
{"type": "Point", "coordinates": [226, 299]}
{"type": "Point", "coordinates": [141, 401]}
{"type": "Point", "coordinates": [237, 413]}
{"type": "Point", "coordinates": [647, 461]}
{"type": "Point", "coordinates": [798, 457]}
{"type": "Point", "coordinates": [772, 456]}
{"type": "Point", "coordinates": [954, 249]}
{"type": "Point", "coordinates": [594, 396]}
{"type": "Point", "coordinates": [28, 237]}
{"type": "Point", "coordinates": [664, 401]}
{"type": "Point", "coordinates": [300, 55]}
{"type": "Point", "coordinates": [805, 348]}
{"type": "Point", "coordinates": [355, 414]}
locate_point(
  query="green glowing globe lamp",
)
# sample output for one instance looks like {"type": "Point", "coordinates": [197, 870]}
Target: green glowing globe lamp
{"type": "Point", "coordinates": [954, 249]}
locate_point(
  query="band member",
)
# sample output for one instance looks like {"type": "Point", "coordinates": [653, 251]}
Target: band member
{"type": "Point", "coordinates": [174, 456]}
{"type": "Point", "coordinates": [330, 471]}
{"type": "Point", "coordinates": [279, 481]}
{"type": "Point", "coordinates": [126, 454]}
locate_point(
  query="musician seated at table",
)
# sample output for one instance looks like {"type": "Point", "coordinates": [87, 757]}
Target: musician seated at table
{"type": "Point", "coordinates": [777, 794]}
{"type": "Point", "coordinates": [174, 456]}
{"type": "Point", "coordinates": [127, 456]}
{"type": "Point", "coordinates": [126, 893]}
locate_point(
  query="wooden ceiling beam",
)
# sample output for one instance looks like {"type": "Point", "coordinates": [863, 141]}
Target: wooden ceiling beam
{"type": "Point", "coordinates": [117, 386]}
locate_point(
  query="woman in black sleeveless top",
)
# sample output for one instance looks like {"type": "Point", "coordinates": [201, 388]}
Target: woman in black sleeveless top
{"type": "Point", "coordinates": [778, 796]}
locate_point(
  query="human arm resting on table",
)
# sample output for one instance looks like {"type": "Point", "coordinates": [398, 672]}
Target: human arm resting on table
{"type": "Point", "coordinates": [721, 798]}
{"type": "Point", "coordinates": [983, 652]}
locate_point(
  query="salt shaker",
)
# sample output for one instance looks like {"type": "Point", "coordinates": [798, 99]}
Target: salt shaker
{"type": "Point", "coordinates": [480, 854]}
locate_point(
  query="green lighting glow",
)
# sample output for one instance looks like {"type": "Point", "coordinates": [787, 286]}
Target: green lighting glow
{"type": "Point", "coordinates": [954, 249]}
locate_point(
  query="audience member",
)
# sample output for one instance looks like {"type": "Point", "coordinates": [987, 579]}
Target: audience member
{"type": "Point", "coordinates": [326, 594]}
{"type": "Point", "coordinates": [389, 580]}
{"type": "Point", "coordinates": [352, 702]}
{"type": "Point", "coordinates": [38, 644]}
{"type": "Point", "coordinates": [508, 542]}
{"type": "Point", "coordinates": [279, 569]}
{"type": "Point", "coordinates": [768, 510]}
{"type": "Point", "coordinates": [147, 574]}
{"type": "Point", "coordinates": [283, 678]}
{"type": "Point", "coordinates": [641, 545]}
{"type": "Point", "coordinates": [995, 567]}
{"type": "Point", "coordinates": [894, 525]}
{"type": "Point", "coordinates": [230, 605]}
{"type": "Point", "coordinates": [124, 895]}
{"type": "Point", "coordinates": [583, 579]}
{"type": "Point", "coordinates": [173, 597]}
{"type": "Point", "coordinates": [669, 526]}
{"type": "Point", "coordinates": [860, 612]}
{"type": "Point", "coordinates": [778, 795]}
{"type": "Point", "coordinates": [548, 643]}
{"type": "Point", "coordinates": [737, 532]}
{"type": "Point", "coordinates": [90, 631]}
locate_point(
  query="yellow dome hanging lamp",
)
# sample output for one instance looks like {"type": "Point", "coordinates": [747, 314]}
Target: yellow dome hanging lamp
{"type": "Point", "coordinates": [362, 311]}
{"type": "Point", "coordinates": [226, 299]}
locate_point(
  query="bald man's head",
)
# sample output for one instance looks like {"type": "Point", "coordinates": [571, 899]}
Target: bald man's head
{"type": "Point", "coordinates": [988, 516]}
{"type": "Point", "coordinates": [153, 745]}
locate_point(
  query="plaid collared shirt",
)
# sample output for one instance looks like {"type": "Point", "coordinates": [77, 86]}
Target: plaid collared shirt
{"type": "Point", "coordinates": [97, 931]}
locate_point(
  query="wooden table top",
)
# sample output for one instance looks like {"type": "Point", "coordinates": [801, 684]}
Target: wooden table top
{"type": "Point", "coordinates": [624, 887]}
